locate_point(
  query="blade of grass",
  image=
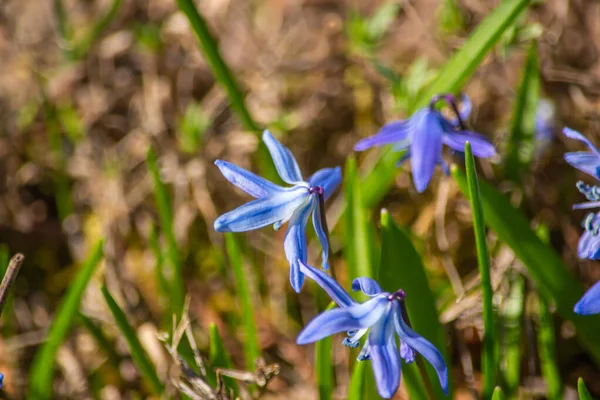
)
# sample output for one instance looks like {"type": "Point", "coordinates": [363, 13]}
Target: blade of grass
{"type": "Point", "coordinates": [81, 48]}
{"type": "Point", "coordinates": [107, 347]}
{"type": "Point", "coordinates": [219, 358]}
{"type": "Point", "coordinates": [357, 381]}
{"type": "Point", "coordinates": [582, 390]}
{"type": "Point", "coordinates": [521, 144]}
{"type": "Point", "coordinates": [545, 267]}
{"type": "Point", "coordinates": [546, 348]}
{"type": "Point", "coordinates": [139, 355]}
{"type": "Point", "coordinates": [324, 366]}
{"type": "Point", "coordinates": [498, 394]}
{"type": "Point", "coordinates": [512, 322]}
{"type": "Point", "coordinates": [154, 244]}
{"type": "Point", "coordinates": [489, 364]}
{"type": "Point", "coordinates": [42, 368]}
{"type": "Point", "coordinates": [161, 195]}
{"type": "Point", "coordinates": [251, 345]}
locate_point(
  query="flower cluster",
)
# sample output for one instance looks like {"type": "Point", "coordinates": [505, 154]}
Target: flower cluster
{"type": "Point", "coordinates": [383, 316]}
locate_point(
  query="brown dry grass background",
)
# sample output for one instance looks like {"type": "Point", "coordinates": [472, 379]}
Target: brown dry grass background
{"type": "Point", "coordinates": [131, 91]}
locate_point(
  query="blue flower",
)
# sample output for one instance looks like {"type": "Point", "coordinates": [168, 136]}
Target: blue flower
{"type": "Point", "coordinates": [277, 205]}
{"type": "Point", "coordinates": [1, 380]}
{"type": "Point", "coordinates": [590, 302]}
{"type": "Point", "coordinates": [585, 161]}
{"type": "Point", "coordinates": [424, 133]}
{"type": "Point", "coordinates": [383, 315]}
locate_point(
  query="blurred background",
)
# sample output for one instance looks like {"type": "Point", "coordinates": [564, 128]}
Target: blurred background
{"type": "Point", "coordinates": [87, 87]}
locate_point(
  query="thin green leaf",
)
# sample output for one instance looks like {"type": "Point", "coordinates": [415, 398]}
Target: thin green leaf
{"type": "Point", "coordinates": [324, 371]}
{"type": "Point", "coordinates": [584, 394]}
{"type": "Point", "coordinates": [498, 394]}
{"type": "Point", "coordinates": [219, 358]}
{"type": "Point", "coordinates": [154, 244]}
{"type": "Point", "coordinates": [489, 364]}
{"type": "Point", "coordinates": [546, 348]}
{"type": "Point", "coordinates": [139, 355]}
{"type": "Point", "coordinates": [357, 381]}
{"type": "Point", "coordinates": [81, 48]}
{"type": "Point", "coordinates": [165, 215]}
{"type": "Point", "coordinates": [251, 345]}
{"type": "Point", "coordinates": [401, 268]}
{"type": "Point", "coordinates": [42, 369]}
{"type": "Point", "coordinates": [521, 145]}
{"type": "Point", "coordinates": [512, 322]}
{"type": "Point", "coordinates": [543, 264]}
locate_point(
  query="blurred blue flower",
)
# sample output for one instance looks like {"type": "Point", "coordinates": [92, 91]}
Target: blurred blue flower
{"type": "Point", "coordinates": [590, 302]}
{"type": "Point", "coordinates": [545, 125]}
{"type": "Point", "coordinates": [423, 134]}
{"type": "Point", "coordinates": [1, 380]}
{"type": "Point", "coordinates": [276, 205]}
{"type": "Point", "coordinates": [383, 314]}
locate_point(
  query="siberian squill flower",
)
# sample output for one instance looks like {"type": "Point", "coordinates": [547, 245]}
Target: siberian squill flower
{"type": "Point", "coordinates": [1, 380]}
{"type": "Point", "coordinates": [423, 134]}
{"type": "Point", "coordinates": [382, 315]}
{"type": "Point", "coordinates": [277, 205]}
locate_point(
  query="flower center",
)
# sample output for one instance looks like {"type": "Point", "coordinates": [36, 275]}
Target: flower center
{"type": "Point", "coordinates": [316, 189]}
{"type": "Point", "coordinates": [590, 224]}
{"type": "Point", "coordinates": [450, 100]}
{"type": "Point", "coordinates": [397, 295]}
{"type": "Point", "coordinates": [592, 193]}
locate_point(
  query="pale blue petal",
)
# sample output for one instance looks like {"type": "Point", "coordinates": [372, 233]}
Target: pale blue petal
{"type": "Point", "coordinates": [426, 148]}
{"type": "Point", "coordinates": [353, 318]}
{"type": "Point", "coordinates": [250, 183]}
{"type": "Point", "coordinates": [463, 110]}
{"type": "Point", "coordinates": [590, 302]}
{"type": "Point", "coordinates": [320, 230]}
{"type": "Point", "coordinates": [284, 161]}
{"type": "Point", "coordinates": [367, 285]}
{"type": "Point", "coordinates": [480, 145]}
{"type": "Point", "coordinates": [584, 161]}
{"type": "Point", "coordinates": [392, 132]}
{"type": "Point", "coordinates": [424, 347]}
{"type": "Point", "coordinates": [573, 134]}
{"type": "Point", "coordinates": [385, 357]}
{"type": "Point", "coordinates": [262, 212]}
{"type": "Point", "coordinates": [328, 284]}
{"type": "Point", "coordinates": [294, 243]}
{"type": "Point", "coordinates": [327, 178]}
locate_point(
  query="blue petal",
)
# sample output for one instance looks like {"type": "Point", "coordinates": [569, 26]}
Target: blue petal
{"type": "Point", "coordinates": [327, 283]}
{"type": "Point", "coordinates": [584, 161]}
{"type": "Point", "coordinates": [481, 146]}
{"type": "Point", "coordinates": [327, 178]}
{"type": "Point", "coordinates": [589, 246]}
{"type": "Point", "coordinates": [1, 379]}
{"type": "Point", "coordinates": [250, 183]}
{"type": "Point", "coordinates": [262, 212]}
{"type": "Point", "coordinates": [317, 219]}
{"type": "Point", "coordinates": [294, 243]}
{"type": "Point", "coordinates": [464, 110]}
{"type": "Point", "coordinates": [573, 134]}
{"type": "Point", "coordinates": [367, 285]}
{"type": "Point", "coordinates": [385, 357]}
{"type": "Point", "coordinates": [424, 347]}
{"type": "Point", "coordinates": [392, 132]}
{"type": "Point", "coordinates": [426, 148]}
{"type": "Point", "coordinates": [590, 302]}
{"type": "Point", "coordinates": [284, 161]}
{"type": "Point", "coordinates": [354, 317]}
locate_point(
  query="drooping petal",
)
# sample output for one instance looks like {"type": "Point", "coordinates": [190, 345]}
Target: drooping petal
{"type": "Point", "coordinates": [589, 246]}
{"type": "Point", "coordinates": [317, 219]}
{"type": "Point", "coordinates": [354, 317]}
{"type": "Point", "coordinates": [590, 302]}
{"type": "Point", "coordinates": [385, 357]}
{"type": "Point", "coordinates": [284, 161]}
{"type": "Point", "coordinates": [262, 212]}
{"type": "Point", "coordinates": [426, 148]}
{"type": "Point", "coordinates": [294, 243]}
{"type": "Point", "coordinates": [481, 146]}
{"type": "Point", "coordinates": [424, 347]}
{"type": "Point", "coordinates": [573, 134]}
{"type": "Point", "coordinates": [584, 161]}
{"type": "Point", "coordinates": [367, 285]}
{"type": "Point", "coordinates": [328, 284]}
{"type": "Point", "coordinates": [392, 132]}
{"type": "Point", "coordinates": [250, 183]}
{"type": "Point", "coordinates": [327, 178]}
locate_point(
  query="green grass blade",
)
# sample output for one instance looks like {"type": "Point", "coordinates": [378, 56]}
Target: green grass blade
{"type": "Point", "coordinates": [357, 380]}
{"type": "Point", "coordinates": [521, 145]}
{"type": "Point", "coordinates": [489, 364]}
{"type": "Point", "coordinates": [165, 215]}
{"type": "Point", "coordinates": [219, 68]}
{"type": "Point", "coordinates": [251, 345]}
{"type": "Point", "coordinates": [42, 369]}
{"type": "Point", "coordinates": [324, 371]}
{"type": "Point", "coordinates": [219, 358]}
{"type": "Point", "coordinates": [543, 264]}
{"type": "Point", "coordinates": [107, 347]}
{"type": "Point", "coordinates": [512, 323]}
{"type": "Point", "coordinates": [401, 268]}
{"type": "Point", "coordinates": [584, 394]}
{"type": "Point", "coordinates": [139, 355]}
{"type": "Point", "coordinates": [498, 394]}
{"type": "Point", "coordinates": [154, 244]}
{"type": "Point", "coordinates": [81, 48]}
{"type": "Point", "coordinates": [546, 347]}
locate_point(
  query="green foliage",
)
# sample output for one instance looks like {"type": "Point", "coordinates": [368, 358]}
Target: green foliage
{"type": "Point", "coordinates": [191, 131]}
{"type": "Point", "coordinates": [103, 342]}
{"type": "Point", "coordinates": [364, 34]}
{"type": "Point", "coordinates": [219, 358]}
{"type": "Point", "coordinates": [489, 362]}
{"type": "Point", "coordinates": [42, 368]}
{"type": "Point", "coordinates": [584, 394]}
{"type": "Point", "coordinates": [401, 268]}
{"type": "Point", "coordinates": [546, 348]}
{"type": "Point", "coordinates": [357, 380]}
{"type": "Point", "coordinates": [450, 17]}
{"type": "Point", "coordinates": [498, 394]}
{"type": "Point", "coordinates": [139, 355]}
{"type": "Point", "coordinates": [324, 371]}
{"type": "Point", "coordinates": [511, 318]}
